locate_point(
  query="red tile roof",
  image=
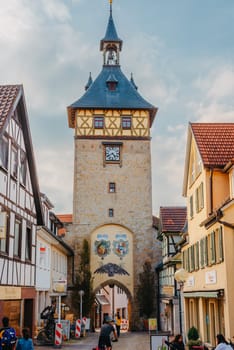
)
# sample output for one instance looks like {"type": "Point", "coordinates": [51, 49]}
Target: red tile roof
{"type": "Point", "coordinates": [8, 94]}
{"type": "Point", "coordinates": [215, 142]}
{"type": "Point", "coordinates": [65, 218]}
{"type": "Point", "coordinates": [172, 219]}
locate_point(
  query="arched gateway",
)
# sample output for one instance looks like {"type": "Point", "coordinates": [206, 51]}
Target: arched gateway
{"type": "Point", "coordinates": [112, 203]}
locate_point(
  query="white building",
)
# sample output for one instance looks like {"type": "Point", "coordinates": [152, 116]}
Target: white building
{"type": "Point", "coordinates": [53, 256]}
{"type": "Point", "coordinates": [20, 210]}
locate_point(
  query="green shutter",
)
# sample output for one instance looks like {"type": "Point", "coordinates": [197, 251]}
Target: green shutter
{"type": "Point", "coordinates": [191, 206]}
{"type": "Point", "coordinates": [212, 247]}
{"type": "Point", "coordinates": [202, 253]}
{"type": "Point", "coordinates": [205, 251]}
{"type": "Point", "coordinates": [202, 196]}
{"type": "Point", "coordinates": [197, 200]}
{"type": "Point", "coordinates": [220, 244]}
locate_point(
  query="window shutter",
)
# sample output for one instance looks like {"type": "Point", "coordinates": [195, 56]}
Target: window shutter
{"type": "Point", "coordinates": [205, 252]}
{"type": "Point", "coordinates": [197, 256]}
{"type": "Point", "coordinates": [212, 247]}
{"type": "Point", "coordinates": [191, 206]}
{"type": "Point", "coordinates": [220, 244]}
{"type": "Point", "coordinates": [202, 196]}
{"type": "Point", "coordinates": [202, 253]}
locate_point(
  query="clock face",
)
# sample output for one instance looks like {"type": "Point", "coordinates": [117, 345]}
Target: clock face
{"type": "Point", "coordinates": [112, 153]}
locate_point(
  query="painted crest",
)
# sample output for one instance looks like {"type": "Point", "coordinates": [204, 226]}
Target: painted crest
{"type": "Point", "coordinates": [102, 247]}
{"type": "Point", "coordinates": [120, 247]}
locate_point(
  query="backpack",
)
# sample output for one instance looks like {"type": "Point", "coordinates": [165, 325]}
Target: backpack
{"type": "Point", "coordinates": [7, 338]}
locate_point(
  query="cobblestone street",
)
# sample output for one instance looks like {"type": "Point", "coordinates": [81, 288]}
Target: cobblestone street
{"type": "Point", "coordinates": [127, 341]}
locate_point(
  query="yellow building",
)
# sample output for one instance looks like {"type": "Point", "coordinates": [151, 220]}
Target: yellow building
{"type": "Point", "coordinates": [208, 255]}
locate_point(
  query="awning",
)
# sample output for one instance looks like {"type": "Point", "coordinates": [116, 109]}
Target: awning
{"type": "Point", "coordinates": [208, 294]}
{"type": "Point", "coordinates": [102, 299]}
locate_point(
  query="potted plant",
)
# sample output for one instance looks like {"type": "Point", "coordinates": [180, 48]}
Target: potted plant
{"type": "Point", "coordinates": [193, 338]}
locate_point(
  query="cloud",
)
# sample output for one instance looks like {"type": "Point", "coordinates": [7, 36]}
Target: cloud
{"type": "Point", "coordinates": [56, 9]}
{"type": "Point", "coordinates": [214, 98]}
{"type": "Point", "coordinates": [55, 172]}
{"type": "Point", "coordinates": [168, 157]}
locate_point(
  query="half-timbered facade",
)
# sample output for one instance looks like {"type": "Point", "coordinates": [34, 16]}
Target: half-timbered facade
{"type": "Point", "coordinates": [172, 221]}
{"type": "Point", "coordinates": [20, 210]}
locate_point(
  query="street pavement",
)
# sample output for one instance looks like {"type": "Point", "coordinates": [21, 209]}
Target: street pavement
{"type": "Point", "coordinates": [127, 341]}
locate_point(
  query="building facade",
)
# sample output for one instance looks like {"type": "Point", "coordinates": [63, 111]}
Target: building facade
{"type": "Point", "coordinates": [172, 221]}
{"type": "Point", "coordinates": [54, 258]}
{"type": "Point", "coordinates": [112, 200]}
{"type": "Point", "coordinates": [208, 255]}
{"type": "Point", "coordinates": [20, 210]}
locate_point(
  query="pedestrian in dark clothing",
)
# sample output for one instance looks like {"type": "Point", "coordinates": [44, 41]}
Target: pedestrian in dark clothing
{"type": "Point", "coordinates": [7, 336]}
{"type": "Point", "coordinates": [177, 343]}
{"type": "Point", "coordinates": [105, 333]}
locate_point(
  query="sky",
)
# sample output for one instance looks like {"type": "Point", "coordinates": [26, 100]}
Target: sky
{"type": "Point", "coordinates": [181, 54]}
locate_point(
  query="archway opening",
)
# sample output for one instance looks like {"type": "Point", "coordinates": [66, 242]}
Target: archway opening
{"type": "Point", "coordinates": [112, 297]}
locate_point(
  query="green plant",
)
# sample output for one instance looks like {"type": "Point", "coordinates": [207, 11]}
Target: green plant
{"type": "Point", "coordinates": [193, 337]}
{"type": "Point", "coordinates": [146, 290]}
{"type": "Point", "coordinates": [193, 333]}
{"type": "Point", "coordinates": [84, 281]}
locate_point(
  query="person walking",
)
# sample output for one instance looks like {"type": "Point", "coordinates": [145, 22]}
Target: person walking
{"type": "Point", "coordinates": [105, 334]}
{"type": "Point", "coordinates": [25, 343]}
{"type": "Point", "coordinates": [222, 343]}
{"type": "Point", "coordinates": [118, 321]}
{"type": "Point", "coordinates": [7, 335]}
{"type": "Point", "coordinates": [177, 343]}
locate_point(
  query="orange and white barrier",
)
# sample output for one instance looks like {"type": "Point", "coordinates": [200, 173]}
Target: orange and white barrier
{"type": "Point", "coordinates": [78, 329]}
{"type": "Point", "coordinates": [58, 334]}
{"type": "Point", "coordinates": [124, 325]}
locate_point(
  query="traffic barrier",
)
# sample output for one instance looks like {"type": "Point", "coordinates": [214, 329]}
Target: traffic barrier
{"type": "Point", "coordinates": [78, 329]}
{"type": "Point", "coordinates": [124, 325]}
{"type": "Point", "coordinates": [58, 334]}
{"type": "Point", "coordinates": [84, 319]}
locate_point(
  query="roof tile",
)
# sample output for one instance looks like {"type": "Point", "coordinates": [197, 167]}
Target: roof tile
{"type": "Point", "coordinates": [172, 219]}
{"type": "Point", "coordinates": [215, 142]}
{"type": "Point", "coordinates": [8, 94]}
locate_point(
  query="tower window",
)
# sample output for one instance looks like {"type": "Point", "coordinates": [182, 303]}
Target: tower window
{"type": "Point", "coordinates": [112, 187]}
{"type": "Point", "coordinates": [99, 122]}
{"type": "Point", "coordinates": [126, 122]}
{"type": "Point", "coordinates": [111, 212]}
{"type": "Point", "coordinates": [112, 85]}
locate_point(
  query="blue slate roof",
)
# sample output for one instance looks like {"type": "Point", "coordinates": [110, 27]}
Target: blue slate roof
{"type": "Point", "coordinates": [111, 33]}
{"type": "Point", "coordinates": [124, 97]}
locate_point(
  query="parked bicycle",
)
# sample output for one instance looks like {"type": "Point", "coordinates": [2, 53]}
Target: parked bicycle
{"type": "Point", "coordinates": [46, 335]}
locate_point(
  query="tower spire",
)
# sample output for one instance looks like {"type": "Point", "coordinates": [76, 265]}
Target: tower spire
{"type": "Point", "coordinates": [110, 7]}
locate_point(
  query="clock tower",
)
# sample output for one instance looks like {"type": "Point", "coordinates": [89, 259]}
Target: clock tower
{"type": "Point", "coordinates": [112, 198]}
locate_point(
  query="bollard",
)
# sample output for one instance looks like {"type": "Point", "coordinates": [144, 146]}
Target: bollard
{"type": "Point", "coordinates": [78, 329]}
{"type": "Point", "coordinates": [58, 335]}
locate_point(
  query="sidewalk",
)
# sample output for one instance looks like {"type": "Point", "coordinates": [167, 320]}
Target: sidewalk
{"type": "Point", "coordinates": [127, 341]}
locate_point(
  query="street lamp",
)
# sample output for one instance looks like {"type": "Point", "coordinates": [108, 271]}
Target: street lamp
{"type": "Point", "coordinates": [81, 293]}
{"type": "Point", "coordinates": [181, 276]}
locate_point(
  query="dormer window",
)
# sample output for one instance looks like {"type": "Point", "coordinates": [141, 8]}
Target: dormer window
{"type": "Point", "coordinates": [112, 82]}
